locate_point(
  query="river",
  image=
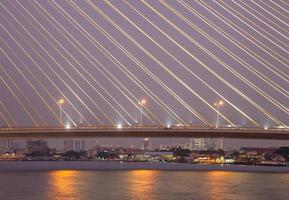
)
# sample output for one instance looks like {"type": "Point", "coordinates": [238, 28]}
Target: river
{"type": "Point", "coordinates": [174, 183]}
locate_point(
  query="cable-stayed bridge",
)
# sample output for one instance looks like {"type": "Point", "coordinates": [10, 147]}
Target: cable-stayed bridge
{"type": "Point", "coordinates": [210, 64]}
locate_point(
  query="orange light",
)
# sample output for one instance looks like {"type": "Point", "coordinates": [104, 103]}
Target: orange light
{"type": "Point", "coordinates": [219, 103]}
{"type": "Point", "coordinates": [61, 101]}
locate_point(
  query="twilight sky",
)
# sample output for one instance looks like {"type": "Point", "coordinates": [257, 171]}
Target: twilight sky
{"type": "Point", "coordinates": [181, 56]}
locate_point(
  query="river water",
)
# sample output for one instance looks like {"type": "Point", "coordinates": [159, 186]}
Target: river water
{"type": "Point", "coordinates": [141, 184]}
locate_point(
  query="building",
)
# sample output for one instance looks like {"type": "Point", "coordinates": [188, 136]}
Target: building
{"type": "Point", "coordinates": [91, 143]}
{"type": "Point", "coordinates": [6, 145]}
{"type": "Point", "coordinates": [3, 145]}
{"type": "Point", "coordinates": [79, 145]}
{"type": "Point", "coordinates": [256, 151]}
{"type": "Point", "coordinates": [39, 146]}
{"type": "Point", "coordinates": [147, 144]}
{"type": "Point", "coordinates": [160, 155]}
{"type": "Point", "coordinates": [68, 145]}
{"type": "Point", "coordinates": [187, 145]}
{"type": "Point", "coordinates": [197, 143]}
{"type": "Point", "coordinates": [213, 143]}
{"type": "Point", "coordinates": [74, 145]}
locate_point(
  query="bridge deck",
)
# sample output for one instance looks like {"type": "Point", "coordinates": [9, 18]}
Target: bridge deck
{"type": "Point", "coordinates": [158, 132]}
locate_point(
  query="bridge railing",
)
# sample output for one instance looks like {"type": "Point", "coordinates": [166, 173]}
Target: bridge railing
{"type": "Point", "coordinates": [173, 127]}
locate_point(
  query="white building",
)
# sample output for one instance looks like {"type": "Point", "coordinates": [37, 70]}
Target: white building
{"type": "Point", "coordinates": [197, 143]}
{"type": "Point", "coordinates": [213, 143]}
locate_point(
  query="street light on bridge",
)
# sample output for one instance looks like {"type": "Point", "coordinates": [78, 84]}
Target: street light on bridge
{"type": "Point", "coordinates": [146, 140]}
{"type": "Point", "coordinates": [218, 104]}
{"type": "Point", "coordinates": [60, 103]}
{"type": "Point", "coordinates": [141, 103]}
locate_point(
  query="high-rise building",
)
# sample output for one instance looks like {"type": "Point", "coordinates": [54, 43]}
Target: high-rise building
{"type": "Point", "coordinates": [56, 144]}
{"type": "Point", "coordinates": [197, 143]}
{"type": "Point", "coordinates": [39, 146]}
{"type": "Point", "coordinates": [3, 145]}
{"type": "Point", "coordinates": [79, 145]}
{"type": "Point", "coordinates": [213, 143]}
{"type": "Point", "coordinates": [10, 144]}
{"type": "Point", "coordinates": [74, 145]}
{"type": "Point", "coordinates": [6, 144]}
{"type": "Point", "coordinates": [206, 143]}
{"type": "Point", "coordinates": [147, 144]}
{"type": "Point", "coordinates": [68, 145]}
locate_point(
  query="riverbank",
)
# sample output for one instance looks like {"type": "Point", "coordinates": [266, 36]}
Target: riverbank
{"type": "Point", "coordinates": [104, 165]}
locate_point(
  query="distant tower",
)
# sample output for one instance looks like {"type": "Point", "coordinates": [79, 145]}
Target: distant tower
{"type": "Point", "coordinates": [147, 144]}
{"type": "Point", "coordinates": [10, 144]}
{"type": "Point", "coordinates": [221, 143]}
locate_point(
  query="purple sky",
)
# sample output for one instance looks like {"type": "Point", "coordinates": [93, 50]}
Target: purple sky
{"type": "Point", "coordinates": [181, 56]}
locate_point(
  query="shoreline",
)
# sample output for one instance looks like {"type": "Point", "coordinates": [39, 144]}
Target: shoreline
{"type": "Point", "coordinates": [6, 166]}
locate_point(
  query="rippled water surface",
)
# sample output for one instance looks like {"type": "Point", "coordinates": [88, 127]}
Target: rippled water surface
{"type": "Point", "coordinates": [142, 184]}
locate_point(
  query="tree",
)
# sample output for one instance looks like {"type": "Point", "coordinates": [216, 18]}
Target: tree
{"type": "Point", "coordinates": [283, 151]}
{"type": "Point", "coordinates": [72, 154]}
{"type": "Point", "coordinates": [103, 154]}
{"type": "Point", "coordinates": [181, 152]}
{"type": "Point", "coordinates": [235, 153]}
{"type": "Point", "coordinates": [221, 152]}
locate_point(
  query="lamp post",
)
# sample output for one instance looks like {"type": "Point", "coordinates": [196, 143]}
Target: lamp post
{"type": "Point", "coordinates": [141, 103]}
{"type": "Point", "coordinates": [60, 103]}
{"type": "Point", "coordinates": [146, 140]}
{"type": "Point", "coordinates": [218, 105]}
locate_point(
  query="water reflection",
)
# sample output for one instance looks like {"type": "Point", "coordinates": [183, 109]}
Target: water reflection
{"type": "Point", "coordinates": [63, 185]}
{"type": "Point", "coordinates": [218, 184]}
{"type": "Point", "coordinates": [142, 184]}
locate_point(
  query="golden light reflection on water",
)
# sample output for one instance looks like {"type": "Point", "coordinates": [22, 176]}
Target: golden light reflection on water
{"type": "Point", "coordinates": [142, 183]}
{"type": "Point", "coordinates": [216, 180]}
{"type": "Point", "coordinates": [222, 182]}
{"type": "Point", "coordinates": [63, 184]}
